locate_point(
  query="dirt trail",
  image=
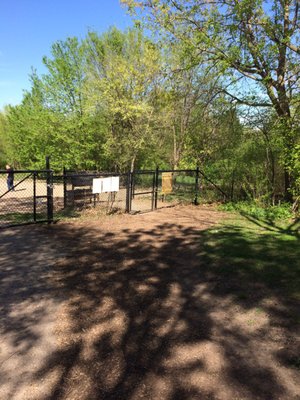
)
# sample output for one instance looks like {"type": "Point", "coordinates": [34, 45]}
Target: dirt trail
{"type": "Point", "coordinates": [133, 307]}
{"type": "Point", "coordinates": [28, 310]}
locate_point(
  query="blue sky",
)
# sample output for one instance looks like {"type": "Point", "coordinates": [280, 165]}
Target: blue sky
{"type": "Point", "coordinates": [29, 27]}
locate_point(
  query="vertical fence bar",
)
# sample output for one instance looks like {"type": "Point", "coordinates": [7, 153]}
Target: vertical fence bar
{"type": "Point", "coordinates": [65, 186]}
{"type": "Point", "coordinates": [153, 190]}
{"type": "Point", "coordinates": [34, 196]}
{"type": "Point", "coordinates": [196, 186]}
{"type": "Point", "coordinates": [156, 187]}
{"type": "Point", "coordinates": [49, 191]}
{"type": "Point", "coordinates": [50, 196]}
{"type": "Point", "coordinates": [128, 193]}
{"type": "Point", "coordinates": [132, 186]}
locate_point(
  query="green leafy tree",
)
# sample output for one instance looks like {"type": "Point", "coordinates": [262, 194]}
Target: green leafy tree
{"type": "Point", "coordinates": [256, 41]}
{"type": "Point", "coordinates": [187, 88]}
{"type": "Point", "coordinates": [80, 134]}
{"type": "Point", "coordinates": [4, 143]}
{"type": "Point", "coordinates": [29, 128]}
{"type": "Point", "coordinates": [121, 78]}
{"type": "Point", "coordinates": [65, 76]}
{"type": "Point", "coordinates": [51, 119]}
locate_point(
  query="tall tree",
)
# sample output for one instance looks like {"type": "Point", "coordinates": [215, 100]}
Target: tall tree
{"type": "Point", "coordinates": [257, 41]}
{"type": "Point", "coordinates": [187, 87]}
{"type": "Point", "coordinates": [29, 128]}
{"type": "Point", "coordinates": [51, 120]}
{"type": "Point", "coordinates": [4, 143]}
{"type": "Point", "coordinates": [65, 76]}
{"type": "Point", "coordinates": [121, 79]}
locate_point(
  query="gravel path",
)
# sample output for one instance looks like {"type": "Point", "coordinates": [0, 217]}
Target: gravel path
{"type": "Point", "coordinates": [28, 311]}
{"type": "Point", "coordinates": [133, 307]}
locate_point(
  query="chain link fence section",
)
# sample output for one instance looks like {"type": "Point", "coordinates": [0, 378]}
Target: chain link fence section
{"type": "Point", "coordinates": [142, 190]}
{"type": "Point", "coordinates": [139, 191]}
{"type": "Point", "coordinates": [212, 190]}
{"type": "Point", "coordinates": [40, 196]}
{"type": "Point", "coordinates": [78, 192]}
{"type": "Point", "coordinates": [176, 187]}
{"type": "Point", "coordinates": [27, 201]}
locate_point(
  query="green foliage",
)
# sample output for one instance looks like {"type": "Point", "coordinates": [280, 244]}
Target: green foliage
{"type": "Point", "coordinates": [249, 251]}
{"type": "Point", "coordinates": [294, 168]}
{"type": "Point", "coordinates": [4, 142]}
{"type": "Point", "coordinates": [121, 79]}
{"type": "Point", "coordinates": [119, 100]}
{"type": "Point", "coordinates": [271, 213]}
{"type": "Point", "coordinates": [254, 42]}
{"type": "Point", "coordinates": [51, 118]}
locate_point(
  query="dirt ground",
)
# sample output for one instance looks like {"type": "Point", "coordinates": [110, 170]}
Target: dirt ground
{"type": "Point", "coordinates": [129, 307]}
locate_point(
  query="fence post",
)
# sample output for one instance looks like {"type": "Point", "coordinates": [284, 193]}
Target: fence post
{"type": "Point", "coordinates": [153, 190]}
{"type": "Point", "coordinates": [132, 192]}
{"type": "Point", "coordinates": [128, 192]}
{"type": "Point", "coordinates": [196, 186]}
{"type": "Point", "coordinates": [156, 187]}
{"type": "Point", "coordinates": [49, 191]}
{"type": "Point", "coordinates": [34, 196]}
{"type": "Point", "coordinates": [65, 187]}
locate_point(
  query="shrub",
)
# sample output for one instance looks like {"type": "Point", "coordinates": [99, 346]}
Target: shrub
{"type": "Point", "coordinates": [271, 213]}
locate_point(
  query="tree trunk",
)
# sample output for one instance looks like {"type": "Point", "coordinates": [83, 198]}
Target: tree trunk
{"type": "Point", "coordinates": [132, 163]}
{"type": "Point", "coordinates": [288, 145]}
{"type": "Point", "coordinates": [232, 185]}
{"type": "Point", "coordinates": [288, 197]}
{"type": "Point", "coordinates": [175, 154]}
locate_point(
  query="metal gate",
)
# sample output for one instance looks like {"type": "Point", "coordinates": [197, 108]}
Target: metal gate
{"type": "Point", "coordinates": [175, 187]}
{"type": "Point", "coordinates": [78, 192]}
{"type": "Point", "coordinates": [30, 200]}
{"type": "Point", "coordinates": [141, 191]}
{"type": "Point", "coordinates": [150, 190]}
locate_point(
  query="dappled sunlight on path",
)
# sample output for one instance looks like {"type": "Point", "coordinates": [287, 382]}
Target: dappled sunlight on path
{"type": "Point", "coordinates": [166, 306]}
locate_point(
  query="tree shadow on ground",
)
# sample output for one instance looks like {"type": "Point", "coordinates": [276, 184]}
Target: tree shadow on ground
{"type": "Point", "coordinates": [28, 302]}
{"type": "Point", "coordinates": [293, 228]}
{"type": "Point", "coordinates": [151, 310]}
{"type": "Point", "coordinates": [173, 313]}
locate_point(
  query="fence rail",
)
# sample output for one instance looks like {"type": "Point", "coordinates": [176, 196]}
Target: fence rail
{"type": "Point", "coordinates": [42, 196]}
{"type": "Point", "coordinates": [28, 200]}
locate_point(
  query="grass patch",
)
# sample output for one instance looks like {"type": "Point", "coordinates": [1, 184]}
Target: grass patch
{"type": "Point", "coordinates": [87, 214]}
{"type": "Point", "coordinates": [182, 196]}
{"type": "Point", "coordinates": [21, 217]}
{"type": "Point", "coordinates": [269, 213]}
{"type": "Point", "coordinates": [251, 253]}
{"type": "Point", "coordinates": [66, 213]}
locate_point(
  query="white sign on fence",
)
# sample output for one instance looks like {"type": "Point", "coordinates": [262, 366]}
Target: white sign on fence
{"type": "Point", "coordinates": [102, 185]}
{"type": "Point", "coordinates": [115, 184]}
{"type": "Point", "coordinates": [97, 185]}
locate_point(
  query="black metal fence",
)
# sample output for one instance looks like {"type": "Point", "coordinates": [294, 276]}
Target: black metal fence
{"type": "Point", "coordinates": [78, 191]}
{"type": "Point", "coordinates": [30, 199]}
{"type": "Point", "coordinates": [177, 186]}
{"type": "Point", "coordinates": [41, 196]}
{"type": "Point", "coordinates": [141, 191]}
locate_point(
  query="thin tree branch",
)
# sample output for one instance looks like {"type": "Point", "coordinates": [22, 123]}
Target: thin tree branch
{"type": "Point", "coordinates": [246, 102]}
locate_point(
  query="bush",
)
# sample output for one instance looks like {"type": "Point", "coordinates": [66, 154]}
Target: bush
{"type": "Point", "coordinates": [270, 213]}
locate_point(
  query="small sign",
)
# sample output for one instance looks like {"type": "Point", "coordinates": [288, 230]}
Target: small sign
{"type": "Point", "coordinates": [104, 185]}
{"type": "Point", "coordinates": [115, 184]}
{"type": "Point", "coordinates": [167, 183]}
{"type": "Point", "coordinates": [97, 185]}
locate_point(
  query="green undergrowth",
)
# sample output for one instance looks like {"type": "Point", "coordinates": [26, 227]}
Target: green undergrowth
{"type": "Point", "coordinates": [21, 217]}
{"type": "Point", "coordinates": [269, 213]}
{"type": "Point", "coordinates": [252, 250]}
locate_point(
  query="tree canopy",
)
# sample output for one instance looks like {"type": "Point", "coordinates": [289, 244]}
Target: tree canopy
{"type": "Point", "coordinates": [253, 41]}
{"type": "Point", "coordinates": [217, 84]}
